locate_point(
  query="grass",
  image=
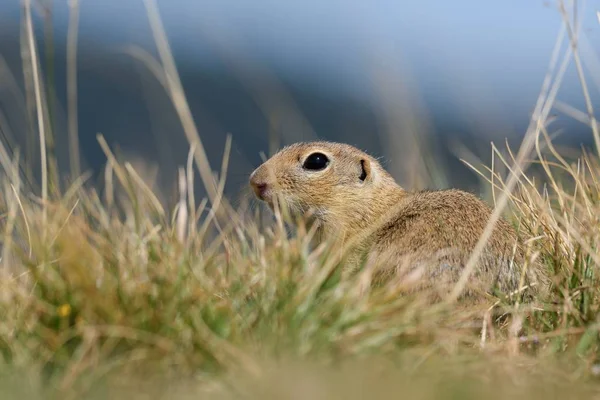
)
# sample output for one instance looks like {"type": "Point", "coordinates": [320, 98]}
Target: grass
{"type": "Point", "coordinates": [115, 293]}
{"type": "Point", "coordinates": [105, 291]}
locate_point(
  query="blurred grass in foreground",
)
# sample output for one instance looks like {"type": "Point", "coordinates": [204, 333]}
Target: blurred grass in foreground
{"type": "Point", "coordinates": [113, 294]}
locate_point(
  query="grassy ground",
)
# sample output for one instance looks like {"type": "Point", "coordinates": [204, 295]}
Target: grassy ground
{"type": "Point", "coordinates": [115, 294]}
{"type": "Point", "coordinates": [112, 296]}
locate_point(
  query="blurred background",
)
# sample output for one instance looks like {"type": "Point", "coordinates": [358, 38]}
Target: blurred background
{"type": "Point", "coordinates": [418, 83]}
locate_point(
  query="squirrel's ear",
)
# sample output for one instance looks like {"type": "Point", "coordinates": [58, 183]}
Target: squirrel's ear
{"type": "Point", "coordinates": [365, 167]}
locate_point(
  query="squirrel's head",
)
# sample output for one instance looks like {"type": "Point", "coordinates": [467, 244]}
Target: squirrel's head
{"type": "Point", "coordinates": [334, 182]}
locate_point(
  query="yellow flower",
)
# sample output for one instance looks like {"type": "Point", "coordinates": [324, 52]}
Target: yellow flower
{"type": "Point", "coordinates": [64, 310]}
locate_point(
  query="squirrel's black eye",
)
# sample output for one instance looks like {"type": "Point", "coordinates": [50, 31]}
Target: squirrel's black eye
{"type": "Point", "coordinates": [315, 162]}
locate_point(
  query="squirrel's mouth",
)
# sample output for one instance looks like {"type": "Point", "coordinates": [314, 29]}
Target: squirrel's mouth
{"type": "Point", "coordinates": [261, 190]}
{"type": "Point", "coordinates": [274, 198]}
{"type": "Point", "coordinates": [264, 194]}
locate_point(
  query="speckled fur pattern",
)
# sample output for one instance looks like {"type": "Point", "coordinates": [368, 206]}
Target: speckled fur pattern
{"type": "Point", "coordinates": [430, 232]}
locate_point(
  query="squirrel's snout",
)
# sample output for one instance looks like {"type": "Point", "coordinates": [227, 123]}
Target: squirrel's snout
{"type": "Point", "coordinates": [259, 189]}
{"type": "Point", "coordinates": [259, 186]}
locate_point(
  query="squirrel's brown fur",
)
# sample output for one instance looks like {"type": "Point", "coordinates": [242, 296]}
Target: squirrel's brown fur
{"type": "Point", "coordinates": [426, 234]}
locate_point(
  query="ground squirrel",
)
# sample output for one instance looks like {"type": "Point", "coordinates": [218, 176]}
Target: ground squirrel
{"type": "Point", "coordinates": [426, 234]}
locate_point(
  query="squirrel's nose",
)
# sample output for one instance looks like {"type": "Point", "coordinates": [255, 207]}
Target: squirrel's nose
{"type": "Point", "coordinates": [259, 186]}
{"type": "Point", "coordinates": [259, 189]}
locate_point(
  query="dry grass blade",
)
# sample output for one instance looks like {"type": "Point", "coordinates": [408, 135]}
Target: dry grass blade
{"type": "Point", "coordinates": [151, 63]}
{"type": "Point", "coordinates": [182, 211]}
{"type": "Point", "coordinates": [8, 232]}
{"type": "Point", "coordinates": [217, 200]}
{"type": "Point", "coordinates": [39, 104]}
{"type": "Point", "coordinates": [540, 114]}
{"type": "Point", "coordinates": [114, 165]}
{"type": "Point", "coordinates": [573, 40]}
{"type": "Point", "coordinates": [177, 95]}
{"type": "Point", "coordinates": [190, 190]}
{"type": "Point", "coordinates": [573, 112]}
{"type": "Point", "coordinates": [147, 191]}
{"type": "Point", "coordinates": [71, 211]}
{"type": "Point", "coordinates": [24, 214]}
{"type": "Point", "coordinates": [74, 156]}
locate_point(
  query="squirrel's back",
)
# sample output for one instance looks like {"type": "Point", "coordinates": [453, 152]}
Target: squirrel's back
{"type": "Point", "coordinates": [352, 198]}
